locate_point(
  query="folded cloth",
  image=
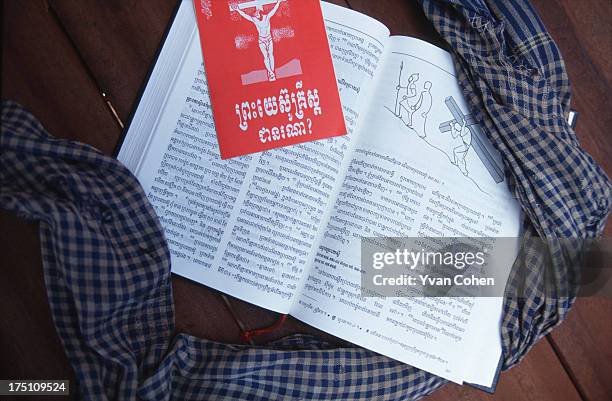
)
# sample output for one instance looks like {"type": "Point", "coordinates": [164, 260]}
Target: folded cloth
{"type": "Point", "coordinates": [514, 79]}
{"type": "Point", "coordinates": [107, 272]}
{"type": "Point", "coordinates": [107, 266]}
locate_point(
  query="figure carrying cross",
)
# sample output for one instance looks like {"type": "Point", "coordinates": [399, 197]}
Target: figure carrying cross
{"type": "Point", "coordinates": [262, 23]}
{"type": "Point", "coordinates": [472, 136]}
{"type": "Point", "coordinates": [459, 152]}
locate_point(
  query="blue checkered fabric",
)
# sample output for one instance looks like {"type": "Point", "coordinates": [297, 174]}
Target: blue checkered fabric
{"type": "Point", "coordinates": [514, 79]}
{"type": "Point", "coordinates": [107, 266]}
{"type": "Point", "coordinates": [107, 272]}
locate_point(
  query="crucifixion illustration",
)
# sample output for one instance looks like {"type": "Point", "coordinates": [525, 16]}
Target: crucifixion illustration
{"type": "Point", "coordinates": [478, 141]}
{"type": "Point", "coordinates": [262, 23]}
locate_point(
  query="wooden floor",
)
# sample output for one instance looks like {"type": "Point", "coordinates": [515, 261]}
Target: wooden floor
{"type": "Point", "coordinates": [78, 65]}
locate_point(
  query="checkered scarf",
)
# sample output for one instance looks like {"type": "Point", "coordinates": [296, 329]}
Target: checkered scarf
{"type": "Point", "coordinates": [107, 265]}
{"type": "Point", "coordinates": [514, 79]}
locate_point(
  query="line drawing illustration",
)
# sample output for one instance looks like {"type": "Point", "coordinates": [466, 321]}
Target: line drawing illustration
{"type": "Point", "coordinates": [265, 38]}
{"type": "Point", "coordinates": [412, 107]}
{"type": "Point", "coordinates": [477, 140]}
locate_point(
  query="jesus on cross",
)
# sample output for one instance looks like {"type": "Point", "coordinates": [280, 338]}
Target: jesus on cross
{"type": "Point", "coordinates": [262, 23]}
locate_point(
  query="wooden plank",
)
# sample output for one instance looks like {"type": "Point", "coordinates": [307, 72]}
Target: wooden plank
{"type": "Point", "coordinates": [29, 344]}
{"type": "Point", "coordinates": [118, 40]}
{"type": "Point", "coordinates": [582, 32]}
{"type": "Point", "coordinates": [538, 377]}
{"type": "Point", "coordinates": [41, 71]}
{"type": "Point", "coordinates": [582, 343]}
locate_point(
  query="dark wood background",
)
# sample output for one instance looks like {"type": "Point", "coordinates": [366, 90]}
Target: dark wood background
{"type": "Point", "coordinates": [78, 66]}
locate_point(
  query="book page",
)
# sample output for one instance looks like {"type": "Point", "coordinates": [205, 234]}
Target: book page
{"type": "Point", "coordinates": [246, 226]}
{"type": "Point", "coordinates": [412, 176]}
{"type": "Point", "coordinates": [357, 44]}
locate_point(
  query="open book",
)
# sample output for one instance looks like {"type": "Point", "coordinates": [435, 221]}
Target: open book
{"type": "Point", "coordinates": [281, 229]}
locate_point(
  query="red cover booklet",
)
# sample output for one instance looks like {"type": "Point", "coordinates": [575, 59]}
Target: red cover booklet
{"type": "Point", "coordinates": [269, 72]}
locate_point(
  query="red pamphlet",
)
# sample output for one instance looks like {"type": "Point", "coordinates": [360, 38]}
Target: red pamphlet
{"type": "Point", "coordinates": [270, 74]}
